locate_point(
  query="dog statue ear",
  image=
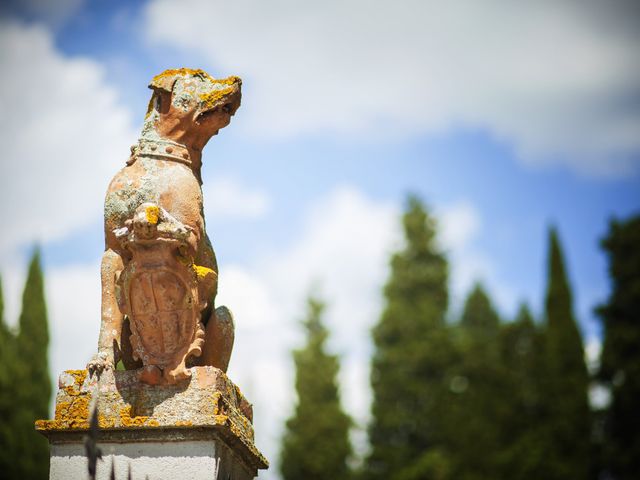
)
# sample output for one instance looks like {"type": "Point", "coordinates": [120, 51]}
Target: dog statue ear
{"type": "Point", "coordinates": [163, 82]}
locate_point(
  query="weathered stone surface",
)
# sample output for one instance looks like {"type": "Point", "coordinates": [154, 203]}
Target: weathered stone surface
{"type": "Point", "coordinates": [159, 319]}
{"type": "Point", "coordinates": [206, 407]}
{"type": "Point", "coordinates": [159, 272]}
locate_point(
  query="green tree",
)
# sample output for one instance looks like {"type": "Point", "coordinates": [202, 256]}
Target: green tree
{"type": "Point", "coordinates": [620, 361]}
{"type": "Point", "coordinates": [33, 397]}
{"type": "Point", "coordinates": [5, 333]}
{"type": "Point", "coordinates": [566, 379]}
{"type": "Point", "coordinates": [411, 362]}
{"type": "Point", "coordinates": [473, 421]}
{"type": "Point", "coordinates": [316, 440]}
{"type": "Point", "coordinates": [9, 450]}
{"type": "Point", "coordinates": [522, 450]}
{"type": "Point", "coordinates": [480, 320]}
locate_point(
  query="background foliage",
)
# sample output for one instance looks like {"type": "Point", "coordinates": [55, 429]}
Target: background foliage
{"type": "Point", "coordinates": [25, 385]}
{"type": "Point", "coordinates": [316, 444]}
{"type": "Point", "coordinates": [481, 397]}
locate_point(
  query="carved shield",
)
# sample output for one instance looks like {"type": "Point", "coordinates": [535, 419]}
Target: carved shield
{"type": "Point", "coordinates": [162, 313]}
{"type": "Point", "coordinates": [160, 296]}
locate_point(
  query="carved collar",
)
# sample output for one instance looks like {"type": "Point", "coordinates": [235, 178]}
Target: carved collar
{"type": "Point", "coordinates": [161, 149]}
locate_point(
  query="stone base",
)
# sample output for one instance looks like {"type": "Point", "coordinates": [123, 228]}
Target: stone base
{"type": "Point", "coordinates": [198, 429]}
{"type": "Point", "coordinates": [177, 454]}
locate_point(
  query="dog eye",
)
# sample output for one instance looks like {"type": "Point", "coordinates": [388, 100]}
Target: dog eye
{"type": "Point", "coordinates": [226, 108]}
{"type": "Point", "coordinates": [204, 115]}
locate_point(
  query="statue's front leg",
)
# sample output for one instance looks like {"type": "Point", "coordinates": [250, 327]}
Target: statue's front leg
{"type": "Point", "coordinates": [111, 325]}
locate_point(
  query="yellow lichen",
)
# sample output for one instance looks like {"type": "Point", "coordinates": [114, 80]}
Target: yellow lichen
{"type": "Point", "coordinates": [61, 410]}
{"type": "Point", "coordinates": [229, 80]}
{"type": "Point", "coordinates": [201, 272]}
{"type": "Point", "coordinates": [153, 214]}
{"type": "Point", "coordinates": [69, 415]}
{"type": "Point", "coordinates": [106, 422]}
{"type": "Point", "coordinates": [149, 108]}
{"type": "Point", "coordinates": [78, 375]}
{"type": "Point", "coordinates": [78, 379]}
{"type": "Point", "coordinates": [128, 421]}
{"type": "Point", "coordinates": [210, 99]}
{"type": "Point", "coordinates": [195, 73]}
{"type": "Point", "coordinates": [215, 399]}
{"type": "Point", "coordinates": [236, 431]}
{"type": "Point", "coordinates": [43, 424]}
{"type": "Point", "coordinates": [182, 71]}
{"type": "Point", "coordinates": [220, 419]}
{"type": "Point", "coordinates": [78, 412]}
{"type": "Point", "coordinates": [184, 423]}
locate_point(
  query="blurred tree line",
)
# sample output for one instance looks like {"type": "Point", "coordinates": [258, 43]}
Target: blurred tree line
{"type": "Point", "coordinates": [25, 385]}
{"type": "Point", "coordinates": [481, 397]}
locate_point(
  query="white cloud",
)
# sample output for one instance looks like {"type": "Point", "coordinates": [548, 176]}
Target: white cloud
{"type": "Point", "coordinates": [559, 81]}
{"type": "Point", "coordinates": [343, 249]}
{"type": "Point", "coordinates": [13, 278]}
{"type": "Point", "coordinates": [73, 295]}
{"type": "Point", "coordinates": [63, 134]}
{"type": "Point", "coordinates": [459, 225]}
{"type": "Point", "coordinates": [226, 197]}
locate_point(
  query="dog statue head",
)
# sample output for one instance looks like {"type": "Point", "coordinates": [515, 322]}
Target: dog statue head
{"type": "Point", "coordinates": [188, 107]}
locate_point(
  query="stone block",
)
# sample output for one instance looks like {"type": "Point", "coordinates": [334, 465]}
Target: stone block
{"type": "Point", "coordinates": [200, 428]}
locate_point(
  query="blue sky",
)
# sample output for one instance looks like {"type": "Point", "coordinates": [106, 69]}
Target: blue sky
{"type": "Point", "coordinates": [505, 118]}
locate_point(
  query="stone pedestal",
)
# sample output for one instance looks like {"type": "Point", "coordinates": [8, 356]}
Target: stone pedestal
{"type": "Point", "coordinates": [198, 429]}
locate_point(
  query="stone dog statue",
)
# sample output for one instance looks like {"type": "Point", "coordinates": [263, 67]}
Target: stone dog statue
{"type": "Point", "coordinates": [159, 273]}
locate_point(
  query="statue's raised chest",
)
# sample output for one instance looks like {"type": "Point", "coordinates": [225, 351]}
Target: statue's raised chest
{"type": "Point", "coordinates": [170, 185]}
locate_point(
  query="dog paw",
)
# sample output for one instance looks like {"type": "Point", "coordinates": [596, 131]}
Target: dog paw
{"type": "Point", "coordinates": [99, 363]}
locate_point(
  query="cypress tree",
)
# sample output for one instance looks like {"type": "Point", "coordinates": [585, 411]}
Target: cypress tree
{"type": "Point", "coordinates": [411, 360]}
{"type": "Point", "coordinates": [620, 361]}
{"type": "Point", "coordinates": [9, 450]}
{"type": "Point", "coordinates": [4, 328]}
{"type": "Point", "coordinates": [480, 322]}
{"type": "Point", "coordinates": [32, 345]}
{"type": "Point", "coordinates": [475, 411]}
{"type": "Point", "coordinates": [566, 379]}
{"type": "Point", "coordinates": [521, 446]}
{"type": "Point", "coordinates": [316, 441]}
